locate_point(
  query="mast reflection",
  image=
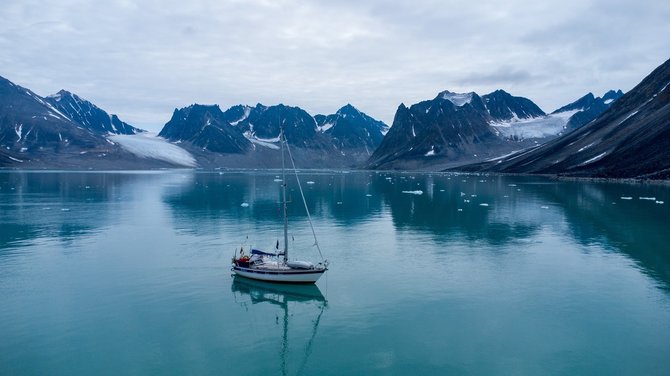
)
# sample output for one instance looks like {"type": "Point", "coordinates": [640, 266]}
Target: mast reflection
{"type": "Point", "coordinates": [282, 295]}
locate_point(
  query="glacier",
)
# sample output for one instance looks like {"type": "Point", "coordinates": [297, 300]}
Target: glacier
{"type": "Point", "coordinates": [148, 145]}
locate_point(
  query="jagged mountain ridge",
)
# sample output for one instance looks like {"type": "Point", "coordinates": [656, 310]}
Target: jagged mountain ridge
{"type": "Point", "coordinates": [259, 123]}
{"type": "Point", "coordinates": [452, 128]}
{"type": "Point", "coordinates": [503, 106]}
{"type": "Point", "coordinates": [29, 123]}
{"type": "Point", "coordinates": [541, 129]}
{"type": "Point", "coordinates": [89, 115]}
{"type": "Point", "coordinates": [206, 127]}
{"type": "Point", "coordinates": [588, 108]}
{"type": "Point", "coordinates": [352, 129]}
{"type": "Point", "coordinates": [347, 141]}
{"type": "Point", "coordinates": [34, 133]}
{"type": "Point", "coordinates": [263, 123]}
{"type": "Point", "coordinates": [629, 140]}
{"type": "Point", "coordinates": [470, 128]}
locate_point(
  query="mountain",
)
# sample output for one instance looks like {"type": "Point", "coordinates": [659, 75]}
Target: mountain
{"type": "Point", "coordinates": [578, 105]}
{"type": "Point", "coordinates": [503, 106]}
{"type": "Point", "coordinates": [541, 129]}
{"type": "Point", "coordinates": [467, 128]}
{"type": "Point", "coordinates": [451, 129]}
{"type": "Point", "coordinates": [262, 123]}
{"type": "Point", "coordinates": [631, 139]}
{"type": "Point", "coordinates": [206, 128]}
{"type": "Point", "coordinates": [351, 129]}
{"type": "Point", "coordinates": [28, 123]}
{"type": "Point", "coordinates": [251, 133]}
{"type": "Point", "coordinates": [34, 133]}
{"type": "Point", "coordinates": [587, 108]}
{"type": "Point", "coordinates": [89, 115]}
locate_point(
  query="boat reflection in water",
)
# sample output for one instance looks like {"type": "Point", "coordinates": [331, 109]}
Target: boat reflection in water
{"type": "Point", "coordinates": [283, 295]}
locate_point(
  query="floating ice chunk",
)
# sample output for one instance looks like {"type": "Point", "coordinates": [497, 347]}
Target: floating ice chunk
{"type": "Point", "coordinates": [626, 198]}
{"type": "Point", "coordinates": [417, 192]}
{"type": "Point", "coordinates": [244, 204]}
{"type": "Point", "coordinates": [648, 198]}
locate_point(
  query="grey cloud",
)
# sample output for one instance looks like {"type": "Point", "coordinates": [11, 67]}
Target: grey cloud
{"type": "Point", "coordinates": [505, 75]}
{"type": "Point", "coordinates": [141, 59]}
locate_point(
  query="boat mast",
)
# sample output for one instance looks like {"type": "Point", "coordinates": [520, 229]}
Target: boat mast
{"type": "Point", "coordinates": [282, 138]}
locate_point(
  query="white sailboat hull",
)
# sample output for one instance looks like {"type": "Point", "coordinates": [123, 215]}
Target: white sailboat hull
{"type": "Point", "coordinates": [280, 275]}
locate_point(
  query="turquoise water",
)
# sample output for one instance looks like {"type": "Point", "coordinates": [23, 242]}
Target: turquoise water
{"type": "Point", "coordinates": [128, 273]}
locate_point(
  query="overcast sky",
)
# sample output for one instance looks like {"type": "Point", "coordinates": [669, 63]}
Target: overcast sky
{"type": "Point", "coordinates": [141, 59]}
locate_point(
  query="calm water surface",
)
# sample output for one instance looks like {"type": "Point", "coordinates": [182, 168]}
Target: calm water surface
{"type": "Point", "coordinates": [129, 274]}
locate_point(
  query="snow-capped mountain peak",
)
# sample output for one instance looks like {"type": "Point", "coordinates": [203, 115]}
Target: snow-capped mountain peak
{"type": "Point", "coordinates": [458, 99]}
{"type": "Point", "coordinates": [88, 114]}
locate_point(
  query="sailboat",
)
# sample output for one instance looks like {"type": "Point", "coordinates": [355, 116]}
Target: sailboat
{"type": "Point", "coordinates": [276, 266]}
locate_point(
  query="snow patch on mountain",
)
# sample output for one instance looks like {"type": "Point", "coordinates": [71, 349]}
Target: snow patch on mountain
{"type": "Point", "coordinates": [148, 145]}
{"type": "Point", "coordinates": [325, 127]}
{"type": "Point", "coordinates": [245, 116]}
{"type": "Point", "coordinates": [19, 132]}
{"type": "Point", "coordinates": [597, 157]}
{"type": "Point", "coordinates": [458, 99]}
{"type": "Point", "coordinates": [267, 142]}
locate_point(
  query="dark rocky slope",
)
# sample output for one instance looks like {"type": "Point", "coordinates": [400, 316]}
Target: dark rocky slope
{"type": "Point", "coordinates": [629, 140]}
